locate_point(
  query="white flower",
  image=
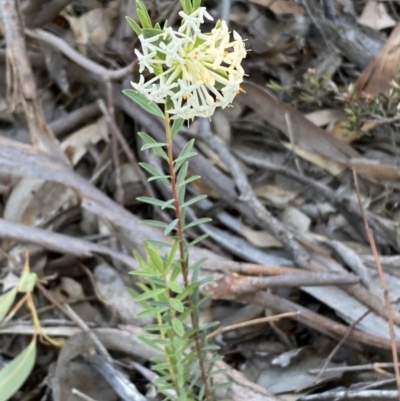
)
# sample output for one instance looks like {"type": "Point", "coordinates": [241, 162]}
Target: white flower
{"type": "Point", "coordinates": [195, 72]}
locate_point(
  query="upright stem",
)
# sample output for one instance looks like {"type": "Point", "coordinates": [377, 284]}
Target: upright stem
{"type": "Point", "coordinates": [183, 254]}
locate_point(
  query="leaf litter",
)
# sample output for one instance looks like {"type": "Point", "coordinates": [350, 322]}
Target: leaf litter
{"type": "Point", "coordinates": [316, 107]}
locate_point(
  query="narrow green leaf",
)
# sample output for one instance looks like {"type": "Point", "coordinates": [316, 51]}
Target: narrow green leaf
{"type": "Point", "coordinates": [151, 143]}
{"type": "Point", "coordinates": [14, 374]}
{"type": "Point", "coordinates": [143, 102]}
{"type": "Point", "coordinates": [176, 126]}
{"type": "Point", "coordinates": [176, 287]}
{"type": "Point", "coordinates": [194, 200]}
{"type": "Point", "coordinates": [153, 343]}
{"type": "Point", "coordinates": [162, 178]}
{"type": "Point", "coordinates": [156, 202]}
{"type": "Point", "coordinates": [183, 154]}
{"type": "Point", "coordinates": [156, 327]}
{"type": "Point", "coordinates": [152, 312]}
{"type": "Point", "coordinates": [27, 282]}
{"type": "Point", "coordinates": [143, 15]}
{"type": "Point", "coordinates": [161, 367]}
{"type": "Point", "coordinates": [196, 4]}
{"type": "Point", "coordinates": [197, 222]}
{"type": "Point", "coordinates": [150, 294]}
{"type": "Point", "coordinates": [172, 253]}
{"type": "Point", "coordinates": [154, 223]}
{"type": "Point", "coordinates": [176, 304]}
{"type": "Point", "coordinates": [150, 169]}
{"type": "Point", "coordinates": [187, 291]}
{"type": "Point", "coordinates": [178, 326]}
{"type": "Point", "coordinates": [6, 301]}
{"type": "Point", "coordinates": [189, 180]}
{"type": "Point", "coordinates": [134, 25]}
{"type": "Point", "coordinates": [209, 326]}
{"type": "Point", "coordinates": [199, 239]}
{"type": "Point", "coordinates": [181, 194]}
{"type": "Point", "coordinates": [171, 226]}
{"type": "Point", "coordinates": [180, 178]}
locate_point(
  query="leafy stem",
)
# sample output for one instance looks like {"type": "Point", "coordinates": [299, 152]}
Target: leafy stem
{"type": "Point", "coordinates": [183, 255]}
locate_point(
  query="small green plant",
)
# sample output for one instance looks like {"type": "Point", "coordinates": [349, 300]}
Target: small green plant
{"type": "Point", "coordinates": [363, 111]}
{"type": "Point", "coordinates": [193, 73]}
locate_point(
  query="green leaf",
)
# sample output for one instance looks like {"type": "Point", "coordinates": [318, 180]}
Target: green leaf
{"type": "Point", "coordinates": [178, 326]}
{"type": "Point", "coordinates": [143, 102]}
{"type": "Point", "coordinates": [180, 178]}
{"type": "Point", "coordinates": [151, 143]}
{"type": "Point", "coordinates": [171, 226]}
{"type": "Point", "coordinates": [151, 32]}
{"type": "Point", "coordinates": [172, 253]}
{"type": "Point", "coordinates": [150, 294]}
{"type": "Point", "coordinates": [176, 287]}
{"type": "Point", "coordinates": [197, 222]}
{"type": "Point", "coordinates": [6, 301]}
{"type": "Point", "coordinates": [176, 126]}
{"type": "Point", "coordinates": [199, 239]}
{"type": "Point", "coordinates": [155, 343]}
{"type": "Point", "coordinates": [156, 327]}
{"type": "Point", "coordinates": [189, 180]}
{"type": "Point", "coordinates": [185, 153]}
{"type": "Point", "coordinates": [194, 200]}
{"type": "Point", "coordinates": [27, 282]}
{"type": "Point", "coordinates": [176, 304]}
{"type": "Point", "coordinates": [154, 223]}
{"type": "Point", "coordinates": [181, 195]}
{"type": "Point", "coordinates": [134, 25]}
{"type": "Point", "coordinates": [154, 312]}
{"type": "Point", "coordinates": [186, 6]}
{"type": "Point", "coordinates": [156, 202]}
{"type": "Point", "coordinates": [14, 374]}
{"type": "Point", "coordinates": [143, 15]}
{"type": "Point", "coordinates": [196, 5]}
{"type": "Point", "coordinates": [155, 174]}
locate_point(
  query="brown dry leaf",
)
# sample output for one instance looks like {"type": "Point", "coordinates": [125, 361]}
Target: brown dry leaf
{"type": "Point", "coordinates": [275, 195]}
{"type": "Point", "coordinates": [306, 134]}
{"type": "Point", "coordinates": [376, 78]}
{"type": "Point", "coordinates": [327, 164]}
{"type": "Point", "coordinates": [375, 16]}
{"type": "Point", "coordinates": [281, 6]}
{"type": "Point", "coordinates": [75, 146]}
{"type": "Point", "coordinates": [258, 238]}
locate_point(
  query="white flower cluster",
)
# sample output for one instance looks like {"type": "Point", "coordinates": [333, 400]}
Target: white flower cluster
{"type": "Point", "coordinates": [196, 71]}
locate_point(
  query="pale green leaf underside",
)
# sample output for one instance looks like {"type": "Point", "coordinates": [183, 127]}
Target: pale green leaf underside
{"type": "Point", "coordinates": [14, 374]}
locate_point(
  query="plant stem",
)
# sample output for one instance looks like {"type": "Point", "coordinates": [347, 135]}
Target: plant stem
{"type": "Point", "coordinates": [183, 255]}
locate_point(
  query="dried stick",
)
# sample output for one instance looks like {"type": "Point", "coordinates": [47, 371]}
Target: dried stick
{"type": "Point", "coordinates": [24, 82]}
{"type": "Point", "coordinates": [311, 319]}
{"type": "Point", "coordinates": [78, 58]}
{"type": "Point", "coordinates": [253, 322]}
{"type": "Point", "coordinates": [235, 284]}
{"type": "Point", "coordinates": [383, 283]}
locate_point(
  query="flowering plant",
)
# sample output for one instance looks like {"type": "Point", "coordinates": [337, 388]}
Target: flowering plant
{"type": "Point", "coordinates": [193, 73]}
